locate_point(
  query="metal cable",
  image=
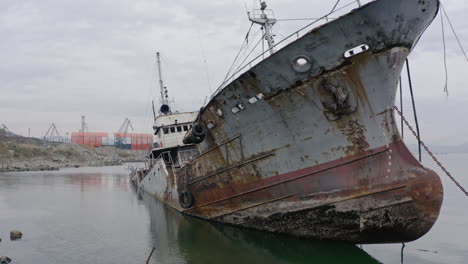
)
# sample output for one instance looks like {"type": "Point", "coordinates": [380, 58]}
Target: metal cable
{"type": "Point", "coordinates": [246, 40]}
{"type": "Point", "coordinates": [430, 153]}
{"type": "Point", "coordinates": [246, 49]}
{"type": "Point", "coordinates": [336, 4]}
{"type": "Point", "coordinates": [301, 19]}
{"type": "Point", "coordinates": [220, 87]}
{"type": "Point", "coordinates": [150, 255]}
{"type": "Point", "coordinates": [445, 55]}
{"type": "Point", "coordinates": [454, 33]}
{"type": "Point", "coordinates": [253, 49]}
{"type": "Point", "coordinates": [401, 253]}
{"type": "Point", "coordinates": [414, 107]}
{"type": "Point", "coordinates": [401, 106]}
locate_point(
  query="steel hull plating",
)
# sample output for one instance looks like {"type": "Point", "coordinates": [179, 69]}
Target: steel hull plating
{"type": "Point", "coordinates": [318, 154]}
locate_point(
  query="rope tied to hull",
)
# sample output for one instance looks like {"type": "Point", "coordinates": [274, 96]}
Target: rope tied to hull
{"type": "Point", "coordinates": [430, 152]}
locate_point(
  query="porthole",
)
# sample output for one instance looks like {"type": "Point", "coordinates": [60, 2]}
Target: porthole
{"type": "Point", "coordinates": [301, 63]}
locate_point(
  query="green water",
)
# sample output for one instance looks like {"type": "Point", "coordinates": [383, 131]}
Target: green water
{"type": "Point", "coordinates": [92, 215]}
{"type": "Point", "coordinates": [187, 239]}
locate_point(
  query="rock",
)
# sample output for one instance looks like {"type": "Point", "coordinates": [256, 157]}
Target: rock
{"type": "Point", "coordinates": [5, 260]}
{"type": "Point", "coordinates": [15, 235]}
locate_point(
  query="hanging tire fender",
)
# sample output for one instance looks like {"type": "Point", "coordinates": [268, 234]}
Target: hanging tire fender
{"type": "Point", "coordinates": [198, 131]}
{"type": "Point", "coordinates": [195, 135]}
{"type": "Point", "coordinates": [185, 199]}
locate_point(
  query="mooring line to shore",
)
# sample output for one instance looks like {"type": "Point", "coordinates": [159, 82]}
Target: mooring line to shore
{"type": "Point", "coordinates": [430, 152]}
{"type": "Point", "coordinates": [151, 254]}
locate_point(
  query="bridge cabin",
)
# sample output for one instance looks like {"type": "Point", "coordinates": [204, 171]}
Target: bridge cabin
{"type": "Point", "coordinates": [169, 131]}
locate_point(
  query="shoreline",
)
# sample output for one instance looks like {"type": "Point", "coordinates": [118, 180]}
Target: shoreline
{"type": "Point", "coordinates": [17, 157]}
{"type": "Point", "coordinates": [47, 167]}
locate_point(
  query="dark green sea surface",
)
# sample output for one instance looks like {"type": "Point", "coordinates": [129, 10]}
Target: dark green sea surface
{"type": "Point", "coordinates": [92, 215]}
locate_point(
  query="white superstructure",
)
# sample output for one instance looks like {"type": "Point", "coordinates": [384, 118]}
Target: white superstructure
{"type": "Point", "coordinates": [170, 153]}
{"type": "Point", "coordinates": [169, 130]}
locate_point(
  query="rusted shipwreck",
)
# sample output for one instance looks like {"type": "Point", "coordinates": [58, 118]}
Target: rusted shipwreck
{"type": "Point", "coordinates": [305, 142]}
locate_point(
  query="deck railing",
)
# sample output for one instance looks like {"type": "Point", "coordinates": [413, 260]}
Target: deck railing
{"type": "Point", "coordinates": [290, 38]}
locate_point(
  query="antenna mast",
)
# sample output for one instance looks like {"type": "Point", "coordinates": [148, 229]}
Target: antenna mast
{"type": "Point", "coordinates": [84, 126]}
{"type": "Point", "coordinates": [163, 90]}
{"type": "Point", "coordinates": [267, 23]}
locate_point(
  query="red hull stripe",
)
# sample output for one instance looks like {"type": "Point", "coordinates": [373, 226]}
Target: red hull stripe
{"type": "Point", "coordinates": [290, 176]}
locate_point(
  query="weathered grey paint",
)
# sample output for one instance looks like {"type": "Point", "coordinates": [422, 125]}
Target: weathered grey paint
{"type": "Point", "coordinates": [319, 142]}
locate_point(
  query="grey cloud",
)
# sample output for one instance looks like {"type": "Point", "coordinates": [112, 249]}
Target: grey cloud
{"type": "Point", "coordinates": [64, 58]}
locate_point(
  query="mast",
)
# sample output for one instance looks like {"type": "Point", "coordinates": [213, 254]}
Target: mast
{"type": "Point", "coordinates": [165, 109]}
{"type": "Point", "coordinates": [267, 23]}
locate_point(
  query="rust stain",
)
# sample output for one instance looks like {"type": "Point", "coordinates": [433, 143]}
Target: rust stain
{"type": "Point", "coordinates": [355, 135]}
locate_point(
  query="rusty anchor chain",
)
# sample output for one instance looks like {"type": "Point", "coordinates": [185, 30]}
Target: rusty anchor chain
{"type": "Point", "coordinates": [430, 152]}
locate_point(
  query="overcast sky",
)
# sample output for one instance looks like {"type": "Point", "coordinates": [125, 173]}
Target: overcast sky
{"type": "Point", "coordinates": [61, 59]}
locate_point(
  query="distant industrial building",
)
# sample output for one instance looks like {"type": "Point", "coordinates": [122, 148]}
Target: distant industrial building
{"type": "Point", "coordinates": [133, 141]}
{"type": "Point", "coordinates": [128, 141]}
{"type": "Point", "coordinates": [120, 139]}
{"type": "Point", "coordinates": [90, 139]}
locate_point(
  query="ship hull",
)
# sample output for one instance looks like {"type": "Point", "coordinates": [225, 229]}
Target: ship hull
{"type": "Point", "coordinates": [314, 151]}
{"type": "Point", "coordinates": [357, 199]}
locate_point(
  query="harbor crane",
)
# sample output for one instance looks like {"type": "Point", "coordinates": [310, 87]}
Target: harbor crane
{"type": "Point", "coordinates": [51, 133]}
{"type": "Point", "coordinates": [3, 127]}
{"type": "Point", "coordinates": [122, 133]}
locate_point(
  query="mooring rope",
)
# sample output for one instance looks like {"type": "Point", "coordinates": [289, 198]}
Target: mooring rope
{"type": "Point", "coordinates": [414, 107]}
{"type": "Point", "coordinates": [454, 32]}
{"type": "Point", "coordinates": [150, 255]}
{"type": "Point", "coordinates": [445, 54]}
{"type": "Point", "coordinates": [430, 152]}
{"type": "Point", "coordinates": [401, 253]}
{"type": "Point", "coordinates": [401, 107]}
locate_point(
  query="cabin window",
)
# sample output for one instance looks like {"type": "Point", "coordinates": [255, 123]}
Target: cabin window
{"type": "Point", "coordinates": [191, 126]}
{"type": "Point", "coordinates": [185, 128]}
{"type": "Point", "coordinates": [179, 129]}
{"type": "Point", "coordinates": [166, 130]}
{"type": "Point", "coordinates": [172, 129]}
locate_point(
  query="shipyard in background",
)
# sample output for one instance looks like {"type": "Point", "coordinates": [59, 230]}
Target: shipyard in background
{"type": "Point", "coordinates": [259, 132]}
{"type": "Point", "coordinates": [305, 140]}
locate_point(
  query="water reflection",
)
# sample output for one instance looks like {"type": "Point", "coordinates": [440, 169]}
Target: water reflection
{"type": "Point", "coordinates": [85, 178]}
{"type": "Point", "coordinates": [183, 239]}
{"type": "Point", "coordinates": [86, 215]}
{"type": "Point", "coordinates": [86, 181]}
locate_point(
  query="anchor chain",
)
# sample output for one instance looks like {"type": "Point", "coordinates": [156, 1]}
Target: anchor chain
{"type": "Point", "coordinates": [430, 152]}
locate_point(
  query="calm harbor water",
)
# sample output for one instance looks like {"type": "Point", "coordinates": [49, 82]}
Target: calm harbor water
{"type": "Point", "coordinates": [92, 215]}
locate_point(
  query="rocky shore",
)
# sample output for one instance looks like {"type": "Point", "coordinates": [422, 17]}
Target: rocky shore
{"type": "Point", "coordinates": [39, 155]}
